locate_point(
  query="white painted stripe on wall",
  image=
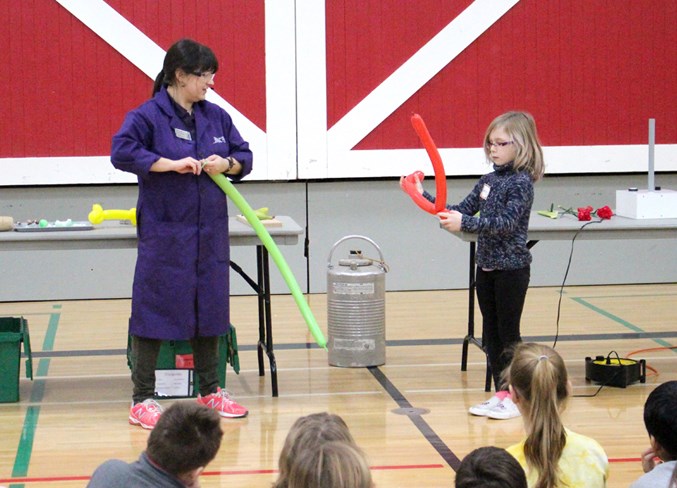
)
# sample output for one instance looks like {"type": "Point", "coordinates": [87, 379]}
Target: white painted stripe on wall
{"type": "Point", "coordinates": [359, 164]}
{"type": "Point", "coordinates": [311, 80]}
{"type": "Point", "coordinates": [146, 55]}
{"type": "Point", "coordinates": [68, 170]}
{"type": "Point", "coordinates": [471, 161]}
{"type": "Point", "coordinates": [413, 74]}
{"type": "Point", "coordinates": [280, 90]}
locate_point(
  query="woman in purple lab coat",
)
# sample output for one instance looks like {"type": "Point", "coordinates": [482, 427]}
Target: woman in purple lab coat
{"type": "Point", "coordinates": [181, 281]}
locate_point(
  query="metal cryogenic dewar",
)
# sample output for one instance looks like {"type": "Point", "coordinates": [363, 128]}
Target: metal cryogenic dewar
{"type": "Point", "coordinates": [356, 308]}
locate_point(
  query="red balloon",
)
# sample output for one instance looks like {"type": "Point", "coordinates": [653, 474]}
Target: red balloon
{"type": "Point", "coordinates": [438, 166]}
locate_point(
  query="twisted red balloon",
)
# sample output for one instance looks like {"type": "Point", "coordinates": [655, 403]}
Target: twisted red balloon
{"type": "Point", "coordinates": [409, 183]}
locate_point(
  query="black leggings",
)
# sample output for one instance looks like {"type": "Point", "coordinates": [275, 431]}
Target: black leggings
{"type": "Point", "coordinates": [144, 360]}
{"type": "Point", "coordinates": [501, 296]}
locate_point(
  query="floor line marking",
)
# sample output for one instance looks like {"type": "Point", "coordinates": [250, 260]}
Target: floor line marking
{"type": "Point", "coordinates": [51, 479]}
{"type": "Point", "coordinates": [447, 454]}
{"type": "Point", "coordinates": [617, 319]}
{"type": "Point", "coordinates": [25, 447]}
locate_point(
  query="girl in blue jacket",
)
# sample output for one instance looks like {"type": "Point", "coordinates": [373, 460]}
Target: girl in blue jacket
{"type": "Point", "coordinates": [497, 210]}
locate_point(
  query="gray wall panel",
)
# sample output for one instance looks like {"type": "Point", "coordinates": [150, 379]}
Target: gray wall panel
{"type": "Point", "coordinates": [420, 254]}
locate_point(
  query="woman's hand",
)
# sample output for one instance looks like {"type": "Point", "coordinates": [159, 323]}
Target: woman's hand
{"type": "Point", "coordinates": [187, 165]}
{"type": "Point", "coordinates": [215, 164]}
{"type": "Point", "coordinates": [451, 220]}
{"type": "Point", "coordinates": [183, 166]}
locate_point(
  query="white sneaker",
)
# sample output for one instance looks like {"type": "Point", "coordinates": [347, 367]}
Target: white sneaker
{"type": "Point", "coordinates": [483, 409]}
{"type": "Point", "coordinates": [504, 410]}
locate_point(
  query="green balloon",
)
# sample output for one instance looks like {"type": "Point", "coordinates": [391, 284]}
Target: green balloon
{"type": "Point", "coordinates": [237, 198]}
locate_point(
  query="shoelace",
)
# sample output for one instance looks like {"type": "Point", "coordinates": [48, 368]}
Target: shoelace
{"type": "Point", "coordinates": [153, 406]}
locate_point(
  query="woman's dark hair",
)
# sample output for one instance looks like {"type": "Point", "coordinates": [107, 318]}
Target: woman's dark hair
{"type": "Point", "coordinates": [188, 56]}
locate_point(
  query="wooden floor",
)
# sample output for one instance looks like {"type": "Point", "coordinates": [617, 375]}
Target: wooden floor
{"type": "Point", "coordinates": [74, 415]}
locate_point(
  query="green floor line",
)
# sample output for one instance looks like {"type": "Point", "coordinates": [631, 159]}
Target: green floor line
{"type": "Point", "coordinates": [632, 296]}
{"type": "Point", "coordinates": [25, 448]}
{"type": "Point", "coordinates": [617, 319]}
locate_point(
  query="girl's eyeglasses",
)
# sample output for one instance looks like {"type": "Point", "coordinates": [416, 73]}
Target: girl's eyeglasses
{"type": "Point", "coordinates": [499, 144]}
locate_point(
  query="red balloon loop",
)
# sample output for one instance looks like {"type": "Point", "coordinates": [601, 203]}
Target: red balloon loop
{"type": "Point", "coordinates": [438, 166]}
{"type": "Point", "coordinates": [409, 186]}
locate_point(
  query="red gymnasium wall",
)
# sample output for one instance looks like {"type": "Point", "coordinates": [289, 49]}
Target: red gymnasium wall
{"type": "Point", "coordinates": [69, 90]}
{"type": "Point", "coordinates": [591, 71]}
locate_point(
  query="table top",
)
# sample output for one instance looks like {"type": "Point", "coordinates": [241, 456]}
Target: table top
{"type": "Point", "coordinates": [566, 226]}
{"type": "Point", "coordinates": [115, 235]}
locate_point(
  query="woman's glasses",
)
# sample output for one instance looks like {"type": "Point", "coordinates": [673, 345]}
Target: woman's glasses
{"type": "Point", "coordinates": [207, 76]}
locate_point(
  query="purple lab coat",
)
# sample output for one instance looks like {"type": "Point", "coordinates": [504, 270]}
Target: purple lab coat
{"type": "Point", "coordinates": [181, 280]}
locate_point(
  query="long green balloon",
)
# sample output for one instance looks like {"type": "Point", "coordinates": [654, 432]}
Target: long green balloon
{"type": "Point", "coordinates": [232, 193]}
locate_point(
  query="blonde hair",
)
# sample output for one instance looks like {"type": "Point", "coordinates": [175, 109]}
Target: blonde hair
{"type": "Point", "coordinates": [309, 433]}
{"type": "Point", "coordinates": [539, 378]}
{"type": "Point", "coordinates": [521, 128]}
{"type": "Point", "coordinates": [335, 464]}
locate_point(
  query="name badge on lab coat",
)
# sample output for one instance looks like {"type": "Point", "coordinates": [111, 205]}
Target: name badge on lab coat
{"type": "Point", "coordinates": [182, 134]}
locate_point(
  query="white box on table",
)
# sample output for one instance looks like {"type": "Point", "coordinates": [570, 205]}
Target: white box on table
{"type": "Point", "coordinates": [645, 204]}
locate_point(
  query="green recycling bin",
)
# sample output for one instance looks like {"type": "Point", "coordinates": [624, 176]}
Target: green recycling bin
{"type": "Point", "coordinates": [13, 332]}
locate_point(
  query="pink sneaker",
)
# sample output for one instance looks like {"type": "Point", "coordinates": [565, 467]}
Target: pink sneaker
{"type": "Point", "coordinates": [222, 403]}
{"type": "Point", "coordinates": [145, 414]}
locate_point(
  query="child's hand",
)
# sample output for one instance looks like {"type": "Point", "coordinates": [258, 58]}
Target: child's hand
{"type": "Point", "coordinates": [419, 187]}
{"type": "Point", "coordinates": [451, 220]}
{"type": "Point", "coordinates": [648, 460]}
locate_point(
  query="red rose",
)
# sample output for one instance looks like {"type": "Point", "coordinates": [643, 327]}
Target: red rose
{"type": "Point", "coordinates": [604, 212]}
{"type": "Point", "coordinates": [584, 213]}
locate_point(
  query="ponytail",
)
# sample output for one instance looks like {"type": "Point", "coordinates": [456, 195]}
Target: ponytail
{"type": "Point", "coordinates": [159, 81]}
{"type": "Point", "coordinates": [539, 377]}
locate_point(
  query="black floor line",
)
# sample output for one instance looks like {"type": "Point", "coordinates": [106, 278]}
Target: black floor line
{"type": "Point", "coordinates": [452, 460]}
{"type": "Point", "coordinates": [393, 343]}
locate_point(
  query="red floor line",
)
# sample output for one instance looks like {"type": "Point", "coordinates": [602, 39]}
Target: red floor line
{"type": "Point", "coordinates": [625, 460]}
{"type": "Point", "coordinates": [53, 479]}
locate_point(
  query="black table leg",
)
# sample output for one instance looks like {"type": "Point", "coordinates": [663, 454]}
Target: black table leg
{"type": "Point", "coordinates": [262, 288]}
{"type": "Point", "coordinates": [266, 329]}
{"type": "Point", "coordinates": [470, 337]}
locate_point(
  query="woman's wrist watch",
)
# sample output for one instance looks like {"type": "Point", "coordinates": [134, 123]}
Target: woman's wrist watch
{"type": "Point", "coordinates": [231, 163]}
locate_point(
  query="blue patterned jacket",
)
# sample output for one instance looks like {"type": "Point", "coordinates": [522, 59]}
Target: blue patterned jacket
{"type": "Point", "coordinates": [503, 218]}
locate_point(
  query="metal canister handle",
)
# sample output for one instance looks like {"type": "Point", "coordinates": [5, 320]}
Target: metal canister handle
{"type": "Point", "coordinates": [354, 237]}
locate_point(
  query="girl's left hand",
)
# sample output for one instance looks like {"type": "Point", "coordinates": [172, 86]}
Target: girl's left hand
{"type": "Point", "coordinates": [451, 220]}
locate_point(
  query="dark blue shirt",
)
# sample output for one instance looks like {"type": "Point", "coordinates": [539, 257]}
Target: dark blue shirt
{"type": "Point", "coordinates": [503, 199]}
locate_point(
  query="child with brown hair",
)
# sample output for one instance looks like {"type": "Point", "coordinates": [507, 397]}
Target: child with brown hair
{"type": "Point", "coordinates": [551, 455]}
{"type": "Point", "coordinates": [306, 436]}
{"type": "Point", "coordinates": [334, 464]}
